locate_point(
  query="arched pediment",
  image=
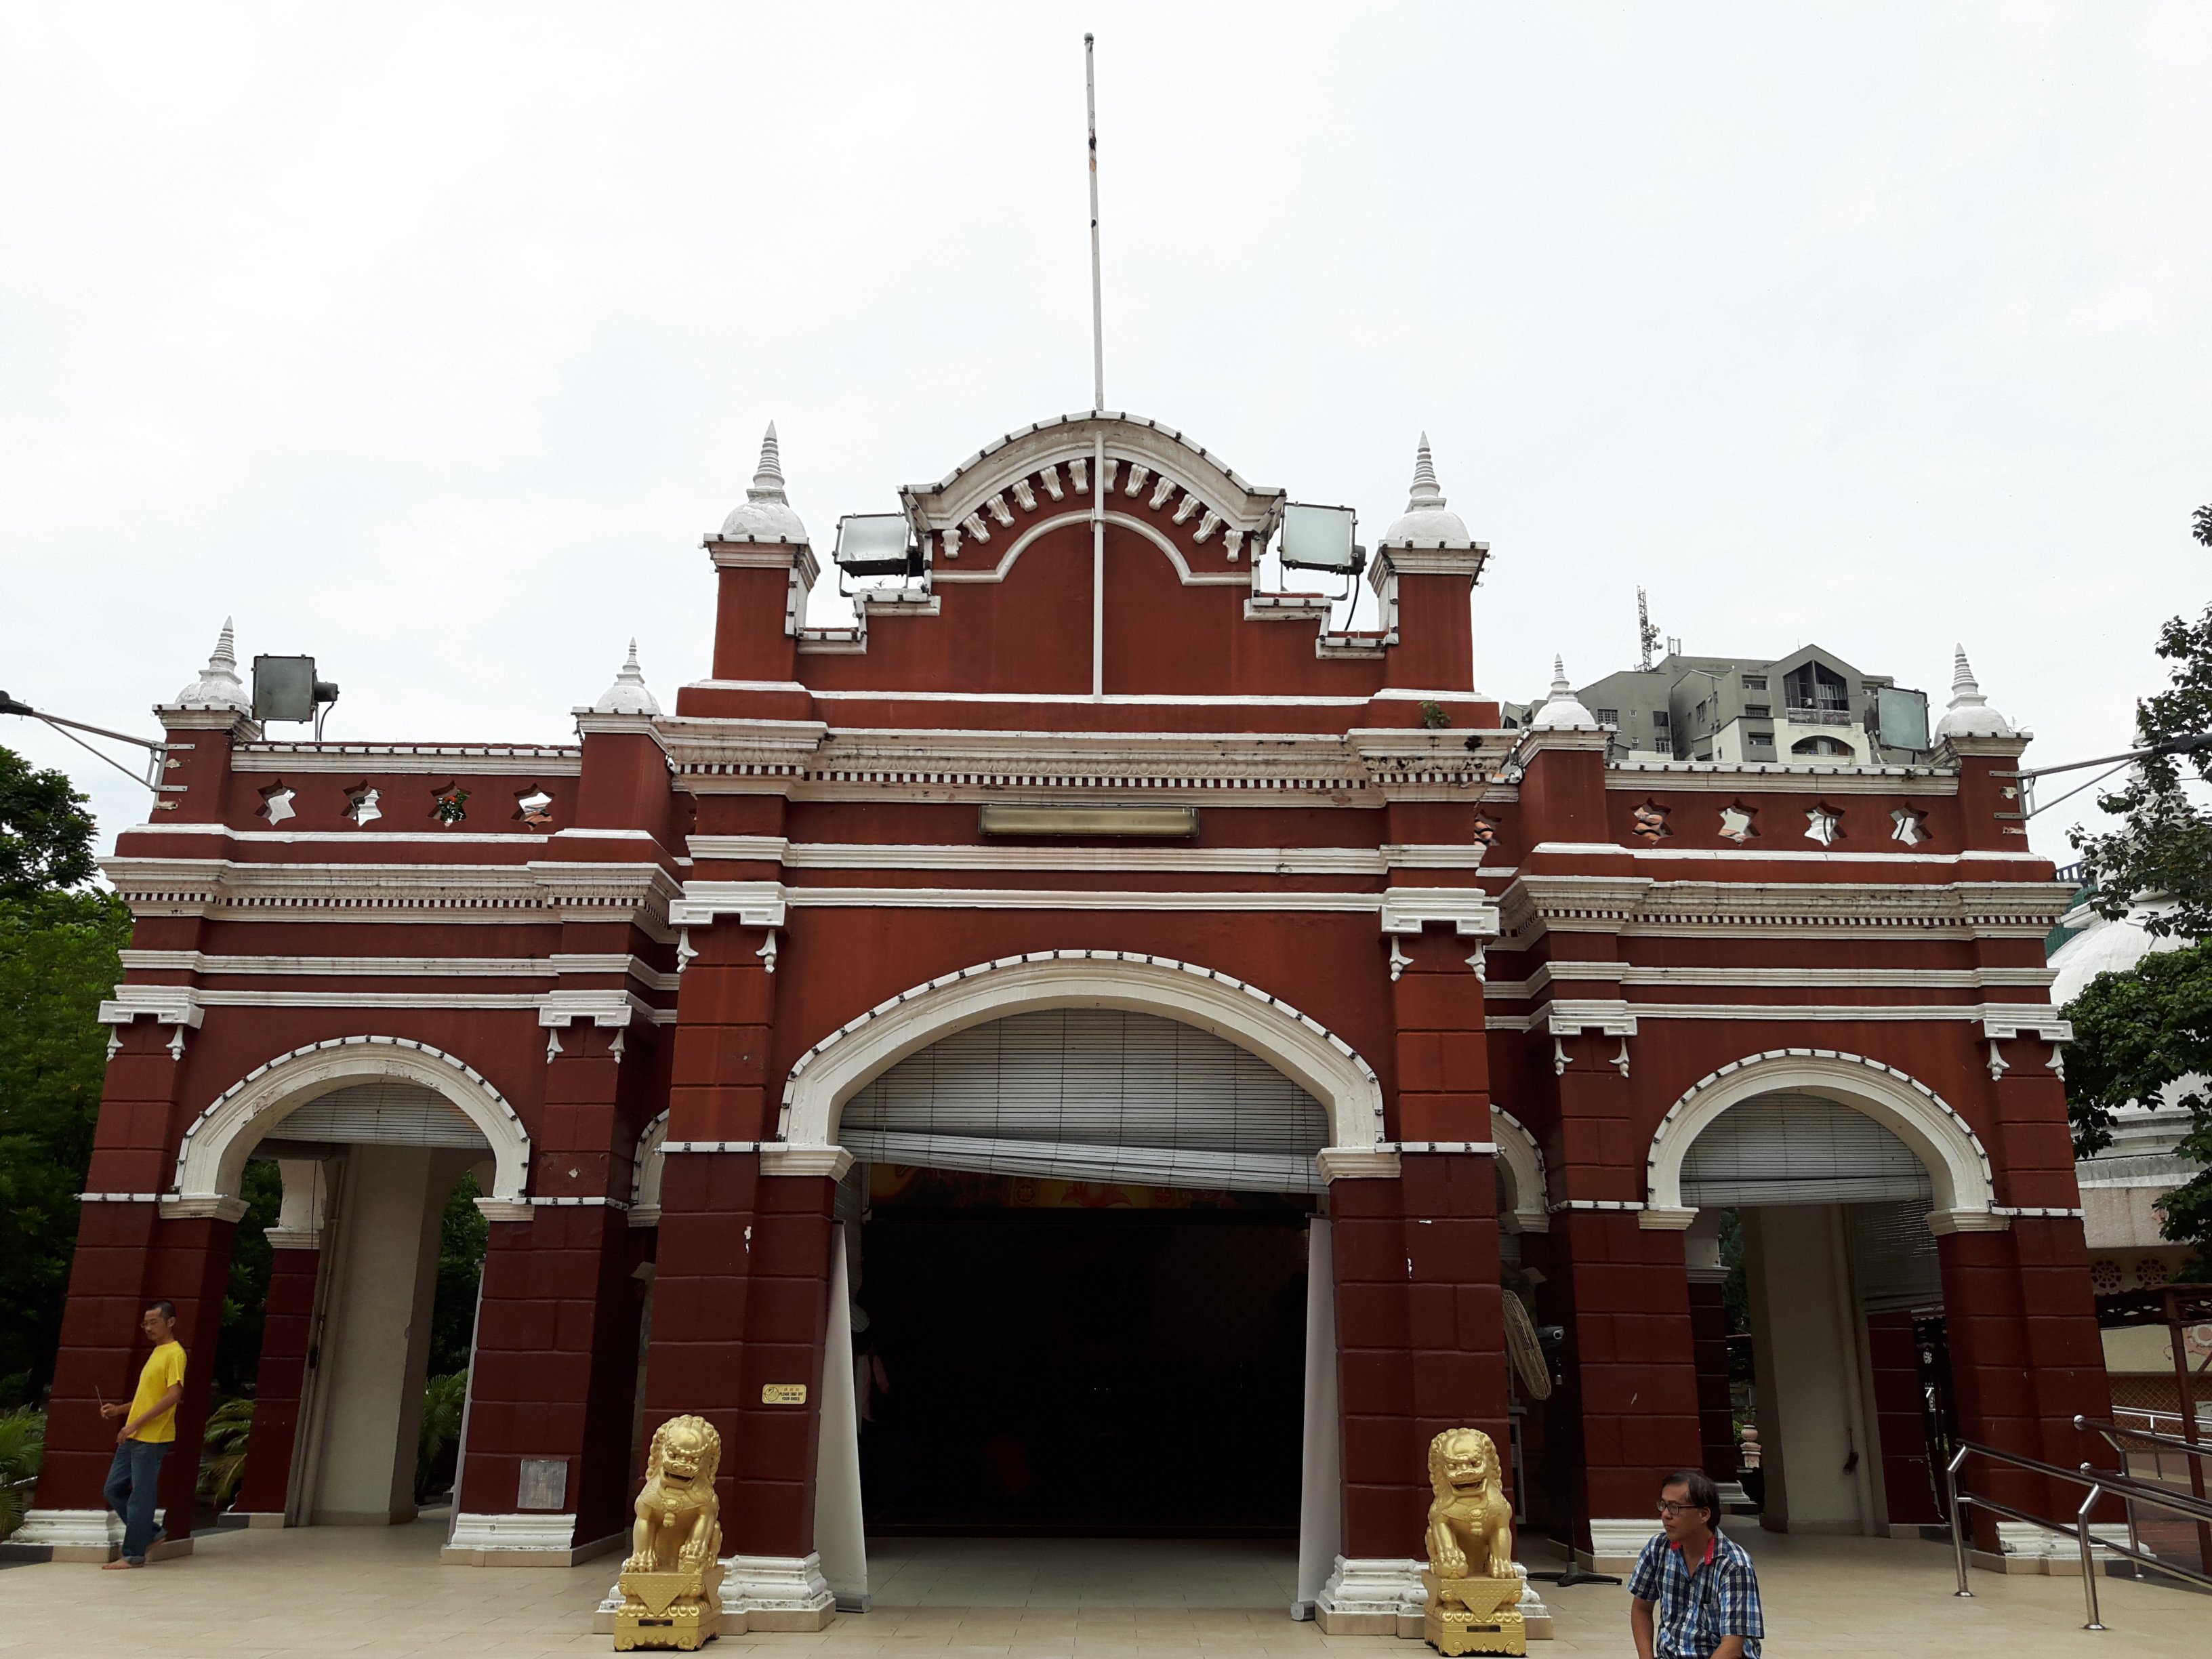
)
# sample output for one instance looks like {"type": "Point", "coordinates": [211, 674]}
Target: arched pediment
{"type": "Point", "coordinates": [1049, 464]}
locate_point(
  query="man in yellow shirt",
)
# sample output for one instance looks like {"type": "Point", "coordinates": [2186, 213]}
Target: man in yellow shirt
{"type": "Point", "coordinates": [149, 1429]}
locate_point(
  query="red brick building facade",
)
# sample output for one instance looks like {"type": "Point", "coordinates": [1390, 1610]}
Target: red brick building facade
{"type": "Point", "coordinates": [652, 970]}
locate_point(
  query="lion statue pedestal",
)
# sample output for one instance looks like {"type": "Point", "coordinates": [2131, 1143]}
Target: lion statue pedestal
{"type": "Point", "coordinates": [1472, 1584]}
{"type": "Point", "coordinates": [671, 1583]}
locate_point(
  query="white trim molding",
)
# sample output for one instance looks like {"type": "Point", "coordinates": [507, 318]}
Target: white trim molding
{"type": "Point", "coordinates": [1517, 1149]}
{"type": "Point", "coordinates": [1957, 1163]}
{"type": "Point", "coordinates": [778, 1592]}
{"type": "Point", "coordinates": [1471, 913]}
{"type": "Point", "coordinates": [213, 1155]}
{"type": "Point", "coordinates": [835, 1068]}
{"type": "Point", "coordinates": [1616, 1542]}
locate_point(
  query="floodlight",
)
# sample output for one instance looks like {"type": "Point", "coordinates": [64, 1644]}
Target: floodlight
{"type": "Point", "coordinates": [285, 689]}
{"type": "Point", "coordinates": [1322, 538]}
{"type": "Point", "coordinates": [875, 544]}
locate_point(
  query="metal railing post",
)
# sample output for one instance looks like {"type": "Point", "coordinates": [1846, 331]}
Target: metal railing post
{"type": "Point", "coordinates": [2088, 1561]}
{"type": "Point", "coordinates": [1958, 1504]}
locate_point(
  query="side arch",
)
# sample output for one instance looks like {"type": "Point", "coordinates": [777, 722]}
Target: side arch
{"type": "Point", "coordinates": [831, 1072]}
{"type": "Point", "coordinates": [1524, 1167]}
{"type": "Point", "coordinates": [1957, 1163]}
{"type": "Point", "coordinates": [645, 1170]}
{"type": "Point", "coordinates": [212, 1157]}
{"type": "Point", "coordinates": [1152, 533]}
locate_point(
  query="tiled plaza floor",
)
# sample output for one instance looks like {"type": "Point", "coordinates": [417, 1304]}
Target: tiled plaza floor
{"type": "Point", "coordinates": [377, 1595]}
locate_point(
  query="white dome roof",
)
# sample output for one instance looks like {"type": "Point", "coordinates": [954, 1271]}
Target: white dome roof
{"type": "Point", "coordinates": [1970, 714]}
{"type": "Point", "coordinates": [1424, 522]}
{"type": "Point", "coordinates": [218, 685]}
{"type": "Point", "coordinates": [628, 694]}
{"type": "Point", "coordinates": [766, 516]}
{"type": "Point", "coordinates": [2105, 946]}
{"type": "Point", "coordinates": [1562, 711]}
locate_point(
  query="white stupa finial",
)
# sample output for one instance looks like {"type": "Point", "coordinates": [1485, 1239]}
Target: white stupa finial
{"type": "Point", "coordinates": [1970, 714]}
{"type": "Point", "coordinates": [628, 694]}
{"type": "Point", "coordinates": [1562, 711]}
{"type": "Point", "coordinates": [1426, 521]}
{"type": "Point", "coordinates": [218, 685]}
{"type": "Point", "coordinates": [1425, 496]}
{"type": "Point", "coordinates": [766, 516]}
{"type": "Point", "coordinates": [767, 481]}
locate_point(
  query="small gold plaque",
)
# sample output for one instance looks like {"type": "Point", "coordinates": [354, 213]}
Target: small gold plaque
{"type": "Point", "coordinates": [783, 1394]}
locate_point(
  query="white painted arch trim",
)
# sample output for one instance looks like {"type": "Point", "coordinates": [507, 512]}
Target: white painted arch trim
{"type": "Point", "coordinates": [213, 1156]}
{"type": "Point", "coordinates": [835, 1069]}
{"type": "Point", "coordinates": [1957, 1163]}
{"type": "Point", "coordinates": [1524, 1161]}
{"type": "Point", "coordinates": [645, 1173]}
{"type": "Point", "coordinates": [999, 571]}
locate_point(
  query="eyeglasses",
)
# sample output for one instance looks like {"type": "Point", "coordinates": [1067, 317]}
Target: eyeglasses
{"type": "Point", "coordinates": [1669, 1510]}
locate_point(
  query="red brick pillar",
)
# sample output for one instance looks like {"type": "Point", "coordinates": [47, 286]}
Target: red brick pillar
{"type": "Point", "coordinates": [554, 1376]}
{"type": "Point", "coordinates": [1709, 1352]}
{"type": "Point", "coordinates": [1908, 1480]}
{"type": "Point", "coordinates": [280, 1379]}
{"type": "Point", "coordinates": [740, 1311]}
{"type": "Point", "coordinates": [2020, 1322]}
{"type": "Point", "coordinates": [1627, 1410]}
{"type": "Point", "coordinates": [1420, 1348]}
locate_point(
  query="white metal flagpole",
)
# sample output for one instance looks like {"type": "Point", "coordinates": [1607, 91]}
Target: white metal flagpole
{"type": "Point", "coordinates": [1097, 398]}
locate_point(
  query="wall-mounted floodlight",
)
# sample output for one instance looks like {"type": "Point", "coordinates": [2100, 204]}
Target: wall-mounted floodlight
{"type": "Point", "coordinates": [1322, 538]}
{"type": "Point", "coordinates": [285, 689]}
{"type": "Point", "coordinates": [876, 544]}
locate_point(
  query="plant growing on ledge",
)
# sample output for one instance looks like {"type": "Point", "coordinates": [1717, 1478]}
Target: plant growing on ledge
{"type": "Point", "coordinates": [451, 805]}
{"type": "Point", "coordinates": [1433, 715]}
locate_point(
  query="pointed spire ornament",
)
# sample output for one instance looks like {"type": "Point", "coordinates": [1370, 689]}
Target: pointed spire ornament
{"type": "Point", "coordinates": [218, 685]}
{"type": "Point", "coordinates": [766, 516]}
{"type": "Point", "coordinates": [1425, 497]}
{"type": "Point", "coordinates": [1969, 714]}
{"type": "Point", "coordinates": [1562, 711]}
{"type": "Point", "coordinates": [628, 694]}
{"type": "Point", "coordinates": [1427, 522]}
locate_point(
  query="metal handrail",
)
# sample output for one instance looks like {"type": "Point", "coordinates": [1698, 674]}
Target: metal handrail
{"type": "Point", "coordinates": [2194, 1448]}
{"type": "Point", "coordinates": [2101, 1484]}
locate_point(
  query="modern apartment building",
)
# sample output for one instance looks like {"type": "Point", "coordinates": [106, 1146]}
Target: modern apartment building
{"type": "Point", "coordinates": [1809, 709]}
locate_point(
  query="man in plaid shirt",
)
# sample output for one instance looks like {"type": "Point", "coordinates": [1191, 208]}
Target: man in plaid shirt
{"type": "Point", "coordinates": [1703, 1585]}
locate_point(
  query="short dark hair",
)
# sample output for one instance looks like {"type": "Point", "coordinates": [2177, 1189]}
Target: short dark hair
{"type": "Point", "coordinates": [166, 1310]}
{"type": "Point", "coordinates": [1697, 1490]}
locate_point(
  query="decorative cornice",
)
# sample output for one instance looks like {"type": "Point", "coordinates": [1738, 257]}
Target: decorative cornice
{"type": "Point", "coordinates": [1535, 904]}
{"type": "Point", "coordinates": [1771, 777]}
{"type": "Point", "coordinates": [497, 760]}
{"type": "Point", "coordinates": [1471, 912]}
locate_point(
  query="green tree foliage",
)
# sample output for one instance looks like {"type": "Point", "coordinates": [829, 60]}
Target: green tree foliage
{"type": "Point", "coordinates": [462, 1235]}
{"type": "Point", "coordinates": [45, 834]}
{"type": "Point", "coordinates": [58, 949]}
{"type": "Point", "coordinates": [222, 1454]}
{"type": "Point", "coordinates": [22, 1447]}
{"type": "Point", "coordinates": [245, 1299]}
{"type": "Point", "coordinates": [437, 1444]}
{"type": "Point", "coordinates": [2146, 1035]}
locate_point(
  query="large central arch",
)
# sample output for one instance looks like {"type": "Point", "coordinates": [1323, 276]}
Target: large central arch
{"type": "Point", "coordinates": [1324, 1064]}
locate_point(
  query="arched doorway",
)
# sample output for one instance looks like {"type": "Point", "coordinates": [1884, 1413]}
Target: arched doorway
{"type": "Point", "coordinates": [1826, 1182]}
{"type": "Point", "coordinates": [1082, 1267]}
{"type": "Point", "coordinates": [372, 1139]}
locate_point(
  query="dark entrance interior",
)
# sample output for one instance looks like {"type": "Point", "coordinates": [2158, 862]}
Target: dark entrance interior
{"type": "Point", "coordinates": [1075, 1370]}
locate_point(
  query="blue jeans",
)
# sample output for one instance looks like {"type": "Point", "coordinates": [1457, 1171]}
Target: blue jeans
{"type": "Point", "coordinates": [132, 1479]}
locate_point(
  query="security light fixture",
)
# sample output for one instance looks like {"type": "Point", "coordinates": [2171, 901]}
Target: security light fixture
{"type": "Point", "coordinates": [876, 544]}
{"type": "Point", "coordinates": [285, 689]}
{"type": "Point", "coordinates": [1322, 538]}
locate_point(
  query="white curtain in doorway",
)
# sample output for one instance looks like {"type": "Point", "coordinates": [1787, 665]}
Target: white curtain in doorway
{"type": "Point", "coordinates": [1789, 1148]}
{"type": "Point", "coordinates": [1093, 1094]}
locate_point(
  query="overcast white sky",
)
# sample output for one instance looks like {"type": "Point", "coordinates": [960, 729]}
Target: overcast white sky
{"type": "Point", "coordinates": [429, 339]}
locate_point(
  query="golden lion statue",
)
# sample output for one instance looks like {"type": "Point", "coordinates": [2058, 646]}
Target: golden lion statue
{"type": "Point", "coordinates": [670, 1582]}
{"type": "Point", "coordinates": [1472, 1582]}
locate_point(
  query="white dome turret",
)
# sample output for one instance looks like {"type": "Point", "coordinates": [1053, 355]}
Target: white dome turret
{"type": "Point", "coordinates": [1970, 714]}
{"type": "Point", "coordinates": [628, 694]}
{"type": "Point", "coordinates": [1562, 711]}
{"type": "Point", "coordinates": [1424, 522]}
{"type": "Point", "coordinates": [766, 516]}
{"type": "Point", "coordinates": [218, 685]}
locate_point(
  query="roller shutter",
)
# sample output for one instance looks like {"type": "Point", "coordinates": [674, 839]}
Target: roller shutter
{"type": "Point", "coordinates": [1788, 1148]}
{"type": "Point", "coordinates": [392, 1114]}
{"type": "Point", "coordinates": [1093, 1094]}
